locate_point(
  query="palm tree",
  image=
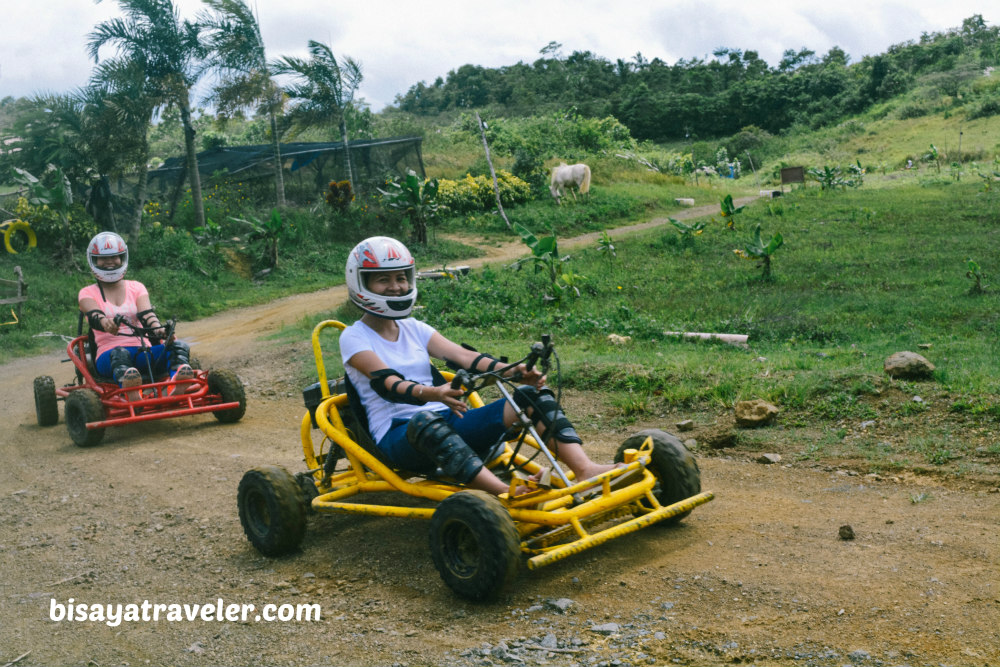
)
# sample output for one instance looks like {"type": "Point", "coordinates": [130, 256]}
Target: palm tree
{"type": "Point", "coordinates": [152, 35]}
{"type": "Point", "coordinates": [236, 52]}
{"type": "Point", "coordinates": [122, 91]}
{"type": "Point", "coordinates": [324, 89]}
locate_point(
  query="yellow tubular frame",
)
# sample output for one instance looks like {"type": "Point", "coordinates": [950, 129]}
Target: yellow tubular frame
{"type": "Point", "coordinates": [556, 513]}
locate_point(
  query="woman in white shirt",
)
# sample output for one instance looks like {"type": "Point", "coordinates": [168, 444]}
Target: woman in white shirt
{"type": "Point", "coordinates": [417, 425]}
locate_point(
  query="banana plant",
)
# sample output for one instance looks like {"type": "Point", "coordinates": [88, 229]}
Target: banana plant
{"type": "Point", "coordinates": [545, 254]}
{"type": "Point", "coordinates": [418, 200]}
{"type": "Point", "coordinates": [976, 276]}
{"type": "Point", "coordinates": [58, 198]}
{"type": "Point", "coordinates": [730, 211]}
{"type": "Point", "coordinates": [757, 249]}
{"type": "Point", "coordinates": [688, 232]}
{"type": "Point", "coordinates": [267, 233]}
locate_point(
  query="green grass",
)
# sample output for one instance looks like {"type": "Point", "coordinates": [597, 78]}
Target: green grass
{"type": "Point", "coordinates": [862, 273]}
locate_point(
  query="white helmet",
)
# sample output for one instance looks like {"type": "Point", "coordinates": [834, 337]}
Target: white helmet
{"type": "Point", "coordinates": [373, 255]}
{"type": "Point", "coordinates": [107, 244]}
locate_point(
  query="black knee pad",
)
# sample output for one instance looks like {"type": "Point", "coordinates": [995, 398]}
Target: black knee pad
{"type": "Point", "coordinates": [121, 361]}
{"type": "Point", "coordinates": [180, 354]}
{"type": "Point", "coordinates": [545, 411]}
{"type": "Point", "coordinates": [431, 435]}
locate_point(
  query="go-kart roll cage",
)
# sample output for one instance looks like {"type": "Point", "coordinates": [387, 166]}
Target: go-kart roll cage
{"type": "Point", "coordinates": [552, 521]}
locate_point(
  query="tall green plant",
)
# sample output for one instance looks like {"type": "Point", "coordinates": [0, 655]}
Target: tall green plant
{"type": "Point", "coordinates": [58, 198]}
{"type": "Point", "coordinates": [545, 255]}
{"type": "Point", "coordinates": [323, 89]}
{"type": "Point", "coordinates": [687, 232]}
{"type": "Point", "coordinates": [236, 51]}
{"type": "Point", "coordinates": [267, 234]}
{"type": "Point", "coordinates": [730, 211]}
{"type": "Point", "coordinates": [417, 199]}
{"type": "Point", "coordinates": [757, 249]}
{"type": "Point", "coordinates": [152, 36]}
{"type": "Point", "coordinates": [976, 276]}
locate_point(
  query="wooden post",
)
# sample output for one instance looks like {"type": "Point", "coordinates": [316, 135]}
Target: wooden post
{"type": "Point", "coordinates": [496, 186]}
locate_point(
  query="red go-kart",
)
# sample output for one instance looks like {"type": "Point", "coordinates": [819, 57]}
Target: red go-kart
{"type": "Point", "coordinates": [93, 402]}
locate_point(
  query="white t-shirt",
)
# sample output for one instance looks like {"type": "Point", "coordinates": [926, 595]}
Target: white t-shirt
{"type": "Point", "coordinates": [407, 354]}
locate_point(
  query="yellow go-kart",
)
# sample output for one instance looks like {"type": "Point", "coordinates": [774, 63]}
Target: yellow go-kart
{"type": "Point", "coordinates": [477, 540]}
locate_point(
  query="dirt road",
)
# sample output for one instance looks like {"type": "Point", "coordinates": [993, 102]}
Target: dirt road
{"type": "Point", "coordinates": [759, 575]}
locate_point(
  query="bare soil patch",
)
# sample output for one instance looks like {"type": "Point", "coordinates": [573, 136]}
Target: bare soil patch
{"type": "Point", "coordinates": [759, 575]}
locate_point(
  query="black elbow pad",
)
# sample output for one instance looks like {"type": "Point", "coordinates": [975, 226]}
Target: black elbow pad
{"type": "Point", "coordinates": [378, 385]}
{"type": "Point", "coordinates": [94, 319]}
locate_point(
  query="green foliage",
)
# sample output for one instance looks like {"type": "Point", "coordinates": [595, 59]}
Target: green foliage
{"type": "Point", "coordinates": [933, 157]}
{"type": "Point", "coordinates": [606, 247]}
{"type": "Point", "coordinates": [266, 235]}
{"type": "Point", "coordinates": [473, 194]}
{"type": "Point", "coordinates": [56, 196]}
{"type": "Point", "coordinates": [545, 255]}
{"type": "Point", "coordinates": [418, 200]}
{"type": "Point", "coordinates": [976, 276]}
{"type": "Point", "coordinates": [689, 231]}
{"type": "Point", "coordinates": [834, 177]}
{"type": "Point", "coordinates": [729, 211]}
{"type": "Point", "coordinates": [756, 249]}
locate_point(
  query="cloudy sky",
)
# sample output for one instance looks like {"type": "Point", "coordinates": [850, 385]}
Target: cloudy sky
{"type": "Point", "coordinates": [400, 43]}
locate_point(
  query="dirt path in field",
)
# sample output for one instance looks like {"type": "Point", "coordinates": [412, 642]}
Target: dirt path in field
{"type": "Point", "coordinates": [759, 575]}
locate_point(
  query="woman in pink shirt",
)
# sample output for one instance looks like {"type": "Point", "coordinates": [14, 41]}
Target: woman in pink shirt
{"type": "Point", "coordinates": [121, 356]}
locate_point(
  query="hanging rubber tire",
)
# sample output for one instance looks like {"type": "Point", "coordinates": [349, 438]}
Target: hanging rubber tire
{"type": "Point", "coordinates": [46, 405]}
{"type": "Point", "coordinates": [474, 544]}
{"type": "Point", "coordinates": [272, 510]}
{"type": "Point", "coordinates": [227, 384]}
{"type": "Point", "coordinates": [674, 467]}
{"type": "Point", "coordinates": [14, 231]}
{"type": "Point", "coordinates": [83, 406]}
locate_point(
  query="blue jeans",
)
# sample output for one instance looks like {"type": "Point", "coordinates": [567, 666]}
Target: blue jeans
{"type": "Point", "coordinates": [480, 428]}
{"type": "Point", "coordinates": [159, 359]}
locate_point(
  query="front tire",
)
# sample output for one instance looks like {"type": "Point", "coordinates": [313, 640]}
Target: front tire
{"type": "Point", "coordinates": [84, 406]}
{"type": "Point", "coordinates": [474, 544]}
{"type": "Point", "coordinates": [674, 467]}
{"type": "Point", "coordinates": [46, 406]}
{"type": "Point", "coordinates": [272, 510]}
{"type": "Point", "coordinates": [228, 385]}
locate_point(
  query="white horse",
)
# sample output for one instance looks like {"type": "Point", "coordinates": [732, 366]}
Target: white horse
{"type": "Point", "coordinates": [569, 177]}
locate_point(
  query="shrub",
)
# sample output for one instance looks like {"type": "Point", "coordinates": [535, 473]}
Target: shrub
{"type": "Point", "coordinates": [339, 195]}
{"type": "Point", "coordinates": [987, 109]}
{"type": "Point", "coordinates": [475, 193]}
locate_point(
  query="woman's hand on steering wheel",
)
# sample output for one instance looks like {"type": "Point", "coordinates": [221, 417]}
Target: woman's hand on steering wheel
{"type": "Point", "coordinates": [445, 394]}
{"type": "Point", "coordinates": [533, 377]}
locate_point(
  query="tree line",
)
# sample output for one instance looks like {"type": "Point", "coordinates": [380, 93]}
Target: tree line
{"type": "Point", "coordinates": [700, 98]}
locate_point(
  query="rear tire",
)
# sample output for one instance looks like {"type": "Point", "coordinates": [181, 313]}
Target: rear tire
{"type": "Point", "coordinates": [46, 405]}
{"type": "Point", "coordinates": [228, 385]}
{"type": "Point", "coordinates": [272, 510]}
{"type": "Point", "coordinates": [674, 467]}
{"type": "Point", "coordinates": [474, 544]}
{"type": "Point", "coordinates": [84, 406]}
